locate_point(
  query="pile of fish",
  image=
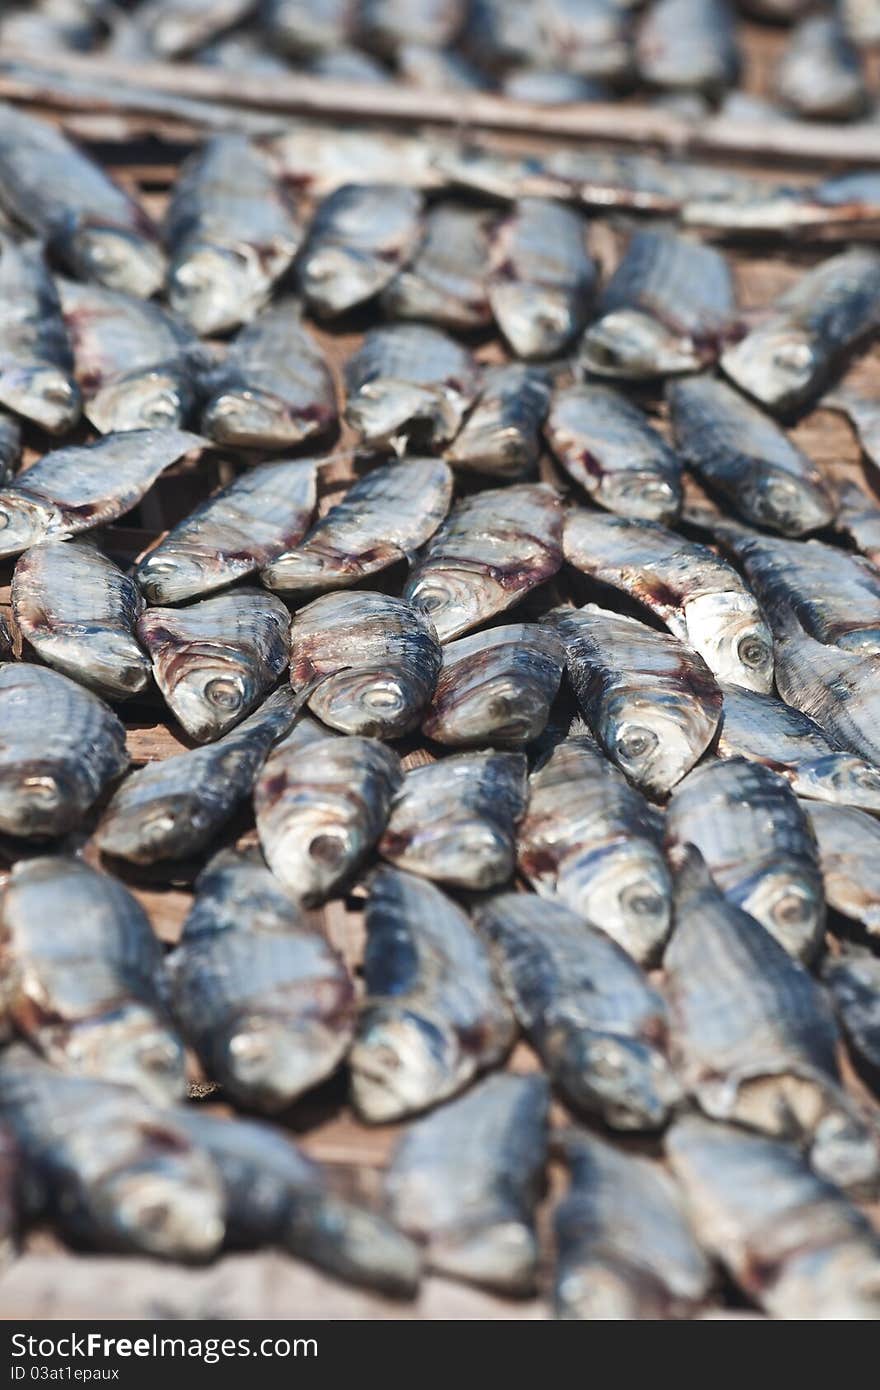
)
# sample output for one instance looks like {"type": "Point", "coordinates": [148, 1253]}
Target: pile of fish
{"type": "Point", "coordinates": [573, 687]}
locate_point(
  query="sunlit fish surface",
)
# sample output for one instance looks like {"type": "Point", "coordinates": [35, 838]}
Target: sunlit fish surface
{"type": "Point", "coordinates": [359, 238]}
{"type": "Point", "coordinates": [36, 362]}
{"type": "Point", "coordinates": [496, 687]}
{"type": "Point", "coordinates": [409, 386]}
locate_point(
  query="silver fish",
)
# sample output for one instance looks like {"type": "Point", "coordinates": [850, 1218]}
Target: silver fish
{"type": "Point", "coordinates": [94, 227]}
{"type": "Point", "coordinates": [605, 443]}
{"type": "Point", "coordinates": [589, 840]}
{"type": "Point", "coordinates": [500, 33]}
{"type": "Point", "coordinates": [743, 455]}
{"type": "Point", "coordinates": [547, 86]}
{"type": "Point", "coordinates": [858, 518]}
{"type": "Point", "coordinates": [136, 364]}
{"type": "Point", "coordinates": [765, 730]}
{"type": "Point", "coordinates": [541, 278]}
{"type": "Point", "coordinates": [788, 359]}
{"type": "Point", "coordinates": [379, 658]}
{"type": "Point", "coordinates": [308, 26]}
{"type": "Point", "coordinates": [175, 27]}
{"type": "Point", "coordinates": [791, 1240]}
{"type": "Point", "coordinates": [849, 842]}
{"type": "Point", "coordinates": [689, 44]}
{"type": "Point", "coordinates": [853, 981]}
{"type": "Point", "coordinates": [348, 65]}
{"type": "Point", "coordinates": [502, 435]}
{"type": "Point", "coordinates": [240, 52]}
{"type": "Point", "coordinates": [437, 69]}
{"type": "Point", "coordinates": [494, 548]}
{"type": "Point", "coordinates": [699, 596]}
{"type": "Point", "coordinates": [36, 362]}
{"type": "Point", "coordinates": [651, 701]}
{"type": "Point", "coordinates": [117, 1172]}
{"type": "Point", "coordinates": [230, 535]}
{"type": "Point", "coordinates": [216, 659]}
{"type": "Point", "coordinates": [757, 844]}
{"type": "Point", "coordinates": [409, 385]}
{"type": "Point", "coordinates": [87, 997]}
{"type": "Point", "coordinates": [316, 157]}
{"type": "Point", "coordinates": [433, 1016]}
{"type": "Point", "coordinates": [820, 75]}
{"type": "Point", "coordinates": [454, 821]}
{"type": "Point", "coordinates": [386, 24]}
{"type": "Point", "coordinates": [383, 518]}
{"type": "Point", "coordinates": [10, 445]}
{"type": "Point", "coordinates": [275, 1195]}
{"type": "Point", "coordinates": [78, 611]}
{"type": "Point", "coordinates": [445, 281]}
{"type": "Point", "coordinates": [465, 1182]}
{"type": "Point", "coordinates": [359, 238]}
{"type": "Point", "coordinates": [174, 807]}
{"type": "Point", "coordinates": [496, 687]}
{"type": "Point", "coordinates": [836, 687]}
{"type": "Point", "coordinates": [588, 1010]}
{"type": "Point", "coordinates": [82, 486]}
{"type": "Point", "coordinates": [626, 1247]}
{"type": "Point", "coordinates": [60, 748]}
{"type": "Point", "coordinates": [321, 803]}
{"type": "Point", "coordinates": [588, 37]}
{"type": "Point", "coordinates": [496, 174]}
{"type": "Point", "coordinates": [274, 388]}
{"type": "Point", "coordinates": [864, 416]}
{"type": "Point", "coordinates": [262, 997]}
{"type": "Point", "coordinates": [231, 232]}
{"type": "Point", "coordinates": [844, 206]}
{"type": "Point", "coordinates": [668, 308]}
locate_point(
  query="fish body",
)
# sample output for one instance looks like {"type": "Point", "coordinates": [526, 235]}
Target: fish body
{"type": "Point", "coordinates": [445, 280]}
{"type": "Point", "coordinates": [385, 25]}
{"type": "Point", "coordinates": [501, 436]}
{"type": "Point", "coordinates": [834, 686]}
{"type": "Point", "coordinates": [317, 158]}
{"type": "Point", "coordinates": [841, 207]}
{"type": "Point", "coordinates": [862, 413]}
{"type": "Point", "coordinates": [437, 69]}
{"type": "Point", "coordinates": [587, 37]}
{"type": "Point", "coordinates": [176, 27]}
{"type": "Point", "coordinates": [308, 26]}
{"type": "Point", "coordinates": [78, 612]}
{"type": "Point", "coordinates": [542, 86]}
{"type": "Point", "coordinates": [606, 444]}
{"type": "Point", "coordinates": [60, 748]}
{"type": "Point", "coordinates": [409, 386]}
{"type": "Point", "coordinates": [540, 276]}
{"type": "Point", "coordinates": [433, 1015]}
{"type": "Point", "coordinates": [36, 363]}
{"type": "Point", "coordinates": [360, 236]}
{"type": "Point", "coordinates": [10, 445]}
{"type": "Point", "coordinates": [465, 1182]}
{"type": "Point", "coordinates": [820, 75]}
{"type": "Point", "coordinates": [858, 518]}
{"type": "Point", "coordinates": [688, 45]}
{"type": "Point", "coordinates": [853, 981]}
{"type": "Point", "coordinates": [849, 841]}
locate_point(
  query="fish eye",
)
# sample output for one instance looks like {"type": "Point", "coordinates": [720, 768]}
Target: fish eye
{"type": "Point", "coordinates": [385, 697]}
{"type": "Point", "coordinates": [642, 900]}
{"type": "Point", "coordinates": [153, 1217]}
{"type": "Point", "coordinates": [223, 693]}
{"type": "Point", "coordinates": [431, 599]}
{"type": "Point", "coordinates": [4, 519]}
{"type": "Point", "coordinates": [790, 908]}
{"type": "Point", "coordinates": [752, 651]}
{"type": "Point", "coordinates": [41, 788]}
{"type": "Point", "coordinates": [793, 357]}
{"type": "Point", "coordinates": [636, 742]}
{"type": "Point", "coordinates": [327, 849]}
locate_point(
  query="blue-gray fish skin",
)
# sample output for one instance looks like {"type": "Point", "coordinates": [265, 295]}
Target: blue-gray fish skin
{"type": "Point", "coordinates": [176, 27]}
{"type": "Point", "coordinates": [87, 998]}
{"type": "Point", "coordinates": [542, 86]}
{"type": "Point", "coordinates": [757, 844]}
{"type": "Point", "coordinates": [409, 386]}
{"type": "Point", "coordinates": [454, 821]}
{"type": "Point", "coordinates": [820, 74]}
{"type": "Point", "coordinates": [60, 749]}
{"type": "Point", "coordinates": [359, 238]}
{"type": "Point", "coordinates": [540, 276]}
{"type": "Point", "coordinates": [849, 844]}
{"type": "Point", "coordinates": [261, 995]}
{"type": "Point", "coordinates": [36, 362]}
{"type": "Point", "coordinates": [626, 1248]}
{"type": "Point", "coordinates": [78, 611]}
{"type": "Point", "coordinates": [433, 1016]}
{"type": "Point", "coordinates": [10, 445]}
{"type": "Point", "coordinates": [598, 1025]}
{"type": "Point", "coordinates": [275, 1195]}
{"type": "Point", "coordinates": [308, 26]}
{"type": "Point", "coordinates": [743, 456]}
{"type": "Point", "coordinates": [589, 840]}
{"type": "Point", "coordinates": [588, 37]}
{"type": "Point", "coordinates": [862, 413]}
{"type": "Point", "coordinates": [385, 25]}
{"type": "Point", "coordinates": [93, 227]}
{"type": "Point", "coordinates": [689, 45]}
{"type": "Point", "coordinates": [501, 437]}
{"type": "Point", "coordinates": [118, 1173]}
{"type": "Point", "coordinates": [465, 1182]}
{"type": "Point", "coordinates": [836, 687]}
{"type": "Point", "coordinates": [445, 281]}
{"type": "Point", "coordinates": [853, 982]}
{"type": "Point", "coordinates": [174, 807]}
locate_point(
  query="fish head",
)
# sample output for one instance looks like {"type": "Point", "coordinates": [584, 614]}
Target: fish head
{"type": "Point", "coordinates": [217, 288]}
{"type": "Point", "coordinates": [24, 520]}
{"type": "Point", "coordinates": [133, 1049]}
{"type": "Point", "coordinates": [603, 1290]}
{"type": "Point", "coordinates": [316, 851]}
{"type": "Point", "coordinates": [337, 277]}
{"type": "Point", "coordinates": [41, 799]}
{"type": "Point", "coordinates": [401, 1062]}
{"type": "Point", "coordinates": [626, 1080]}
{"type": "Point", "coordinates": [843, 778]}
{"type": "Point", "coordinates": [163, 827]}
{"type": "Point", "coordinates": [250, 418]}
{"type": "Point", "coordinates": [44, 394]}
{"type": "Point", "coordinates": [644, 494]}
{"type": "Point", "coordinates": [778, 500]}
{"type": "Point", "coordinates": [117, 666]}
{"type": "Point", "coordinates": [373, 701]}
{"type": "Point", "coordinates": [269, 1062]}
{"type": "Point", "coordinates": [728, 630]}
{"type": "Point", "coordinates": [403, 413]}
{"type": "Point", "coordinates": [845, 1150]}
{"type": "Point", "coordinates": [151, 400]}
{"type": "Point", "coordinates": [119, 259]}
{"type": "Point", "coordinates": [501, 710]}
{"type": "Point", "coordinates": [625, 890]}
{"type": "Point", "coordinates": [776, 364]}
{"type": "Point", "coordinates": [168, 576]}
{"type": "Point", "coordinates": [655, 742]}
{"type": "Point", "coordinates": [298, 570]}
{"type": "Point", "coordinates": [788, 901]}
{"type": "Point", "coordinates": [469, 853]}
{"type": "Point", "coordinates": [450, 598]}
{"type": "Point", "coordinates": [633, 345]}
{"type": "Point", "coordinates": [167, 1201]}
{"type": "Point", "coordinates": [353, 1242]}
{"type": "Point", "coordinates": [537, 320]}
{"type": "Point", "coordinates": [208, 697]}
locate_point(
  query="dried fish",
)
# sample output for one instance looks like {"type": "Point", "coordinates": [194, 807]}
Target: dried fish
{"type": "Point", "coordinates": [494, 548]}
{"type": "Point", "coordinates": [240, 52]}
{"type": "Point", "coordinates": [175, 27]}
{"type": "Point", "coordinates": [216, 659]}
{"type": "Point", "coordinates": [589, 839]}
{"type": "Point", "coordinates": [699, 596]}
{"type": "Point", "coordinates": [668, 308]}
{"type": "Point", "coordinates": [379, 658]}
{"type": "Point", "coordinates": [60, 748]}
{"type": "Point", "coordinates": [318, 158]}
{"type": "Point", "coordinates": [174, 807]}
{"type": "Point", "coordinates": [864, 416]}
{"type": "Point", "coordinates": [790, 1239]}
{"type": "Point", "coordinates": [550, 87]}
{"type": "Point", "coordinates": [466, 1180]}
{"type": "Point", "coordinates": [261, 995]}
{"type": "Point", "coordinates": [502, 435]}
{"type": "Point", "coordinates": [849, 842]}
{"type": "Point", "coordinates": [789, 358]}
{"type": "Point", "coordinates": [626, 1248]}
{"type": "Point", "coordinates": [78, 611]}
{"type": "Point", "coordinates": [596, 1023]}
{"type": "Point", "coordinates": [841, 207]}
{"type": "Point", "coordinates": [274, 388]}
{"type": "Point", "coordinates": [433, 1016]}
{"type": "Point", "coordinates": [349, 65]}
{"type": "Point", "coordinates": [321, 803]}
{"type": "Point", "coordinates": [10, 446]}
{"type": "Point", "coordinates": [853, 981]}
{"type": "Point", "coordinates": [496, 687]}
{"type": "Point", "coordinates": [690, 45]}
{"type": "Point", "coordinates": [87, 997]}
{"type": "Point", "coordinates": [455, 821]}
{"type": "Point", "coordinates": [743, 455]}
{"type": "Point", "coordinates": [606, 444]}
{"type": "Point", "coordinates": [387, 24]}
{"type": "Point", "coordinates": [651, 701]}
{"type": "Point", "coordinates": [409, 385]}
{"type": "Point", "coordinates": [836, 687]}
{"type": "Point", "coordinates": [82, 486]}
{"type": "Point", "coordinates": [500, 33]}
{"type": "Point", "coordinates": [36, 363]}
{"type": "Point", "coordinates": [383, 518]}
{"type": "Point", "coordinates": [87, 220]}
{"type": "Point", "coordinates": [858, 518]}
{"type": "Point", "coordinates": [308, 26]}
{"type": "Point", "coordinates": [237, 531]}
{"type": "Point", "coordinates": [540, 277]}
{"type": "Point", "coordinates": [820, 75]}
{"type": "Point", "coordinates": [118, 1173]}
{"type": "Point", "coordinates": [445, 281]}
{"type": "Point", "coordinates": [588, 37]}
{"type": "Point", "coordinates": [360, 236]}
{"type": "Point", "coordinates": [231, 233]}
{"type": "Point", "coordinates": [437, 69]}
